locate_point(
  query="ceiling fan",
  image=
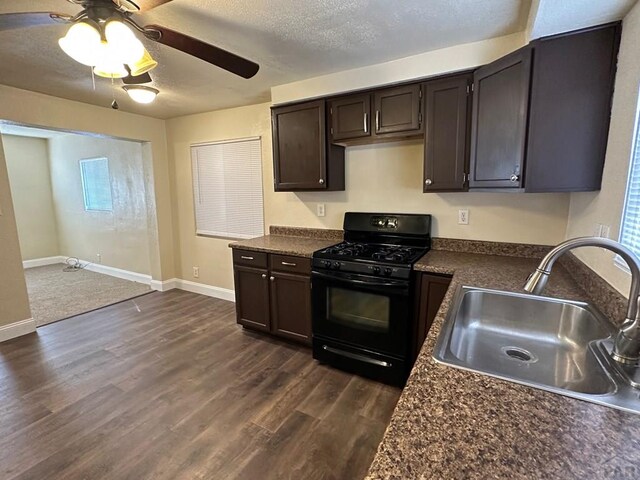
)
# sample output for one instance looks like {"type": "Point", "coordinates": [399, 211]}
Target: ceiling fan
{"type": "Point", "coordinates": [102, 37]}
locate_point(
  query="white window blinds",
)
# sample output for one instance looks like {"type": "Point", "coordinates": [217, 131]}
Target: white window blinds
{"type": "Point", "coordinates": [630, 230]}
{"type": "Point", "coordinates": [96, 184]}
{"type": "Point", "coordinates": [227, 188]}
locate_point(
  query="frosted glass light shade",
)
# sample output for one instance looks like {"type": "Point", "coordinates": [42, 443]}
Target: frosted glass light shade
{"type": "Point", "coordinates": [111, 70]}
{"type": "Point", "coordinates": [144, 65]}
{"type": "Point", "coordinates": [123, 43]}
{"type": "Point", "coordinates": [140, 93]}
{"type": "Point", "coordinates": [82, 43]}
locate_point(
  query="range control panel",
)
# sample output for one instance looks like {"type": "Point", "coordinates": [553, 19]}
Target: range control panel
{"type": "Point", "coordinates": [385, 222]}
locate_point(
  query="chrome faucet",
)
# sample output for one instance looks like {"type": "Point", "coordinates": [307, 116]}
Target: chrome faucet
{"type": "Point", "coordinates": [626, 349]}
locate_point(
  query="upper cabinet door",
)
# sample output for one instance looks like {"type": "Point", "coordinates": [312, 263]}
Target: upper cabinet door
{"type": "Point", "coordinates": [446, 153]}
{"type": "Point", "coordinates": [499, 125]}
{"type": "Point", "coordinates": [571, 91]}
{"type": "Point", "coordinates": [397, 109]}
{"type": "Point", "coordinates": [350, 117]}
{"type": "Point", "coordinates": [300, 146]}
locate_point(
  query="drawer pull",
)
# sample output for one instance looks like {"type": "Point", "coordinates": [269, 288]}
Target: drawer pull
{"type": "Point", "coordinates": [272, 279]}
{"type": "Point", "coordinates": [264, 275]}
{"type": "Point", "coordinates": [246, 258]}
{"type": "Point", "coordinates": [288, 264]}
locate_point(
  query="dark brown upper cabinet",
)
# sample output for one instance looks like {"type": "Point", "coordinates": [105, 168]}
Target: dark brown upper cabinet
{"type": "Point", "coordinates": [303, 157]}
{"type": "Point", "coordinates": [571, 94]}
{"type": "Point", "coordinates": [447, 123]}
{"type": "Point", "coordinates": [541, 115]}
{"type": "Point", "coordinates": [397, 110]}
{"type": "Point", "coordinates": [499, 125]}
{"type": "Point", "coordinates": [396, 114]}
{"type": "Point", "coordinates": [350, 117]}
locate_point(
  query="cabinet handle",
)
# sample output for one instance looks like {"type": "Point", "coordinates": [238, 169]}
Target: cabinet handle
{"type": "Point", "coordinates": [366, 127]}
{"type": "Point", "coordinates": [246, 258]}
{"type": "Point", "coordinates": [428, 181]}
{"type": "Point", "coordinates": [321, 181]}
{"type": "Point", "coordinates": [288, 264]}
{"type": "Point", "coordinates": [264, 275]}
{"type": "Point", "coordinates": [272, 278]}
{"type": "Point", "coordinates": [377, 120]}
{"type": "Point", "coordinates": [514, 178]}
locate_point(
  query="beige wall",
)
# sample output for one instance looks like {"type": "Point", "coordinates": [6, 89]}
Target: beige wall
{"type": "Point", "coordinates": [36, 109]}
{"type": "Point", "coordinates": [28, 165]}
{"type": "Point", "coordinates": [605, 206]}
{"type": "Point", "coordinates": [212, 255]}
{"type": "Point", "coordinates": [383, 177]}
{"type": "Point", "coordinates": [120, 237]}
{"type": "Point", "coordinates": [14, 302]}
{"type": "Point", "coordinates": [436, 62]}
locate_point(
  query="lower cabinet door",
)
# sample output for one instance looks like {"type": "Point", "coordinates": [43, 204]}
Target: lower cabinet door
{"type": "Point", "coordinates": [291, 306]}
{"type": "Point", "coordinates": [252, 297]}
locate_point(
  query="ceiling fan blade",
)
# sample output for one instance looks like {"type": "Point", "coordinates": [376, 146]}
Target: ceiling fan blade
{"type": "Point", "coordinates": [209, 53]}
{"type": "Point", "coordinates": [146, 5]}
{"type": "Point", "coordinates": [10, 21]}
{"type": "Point", "coordinates": [137, 80]}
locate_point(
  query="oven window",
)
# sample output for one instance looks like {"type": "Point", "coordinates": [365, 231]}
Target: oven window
{"type": "Point", "coordinates": [359, 310]}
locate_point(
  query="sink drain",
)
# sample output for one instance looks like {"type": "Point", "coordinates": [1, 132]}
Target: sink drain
{"type": "Point", "coordinates": [519, 354]}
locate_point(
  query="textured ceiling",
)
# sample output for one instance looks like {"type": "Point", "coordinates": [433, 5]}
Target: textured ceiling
{"type": "Point", "coordinates": [290, 39]}
{"type": "Point", "coordinates": [553, 16]}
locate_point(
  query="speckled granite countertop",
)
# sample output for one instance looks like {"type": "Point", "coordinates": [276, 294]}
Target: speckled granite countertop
{"type": "Point", "coordinates": [453, 424]}
{"type": "Point", "coordinates": [284, 245]}
{"type": "Point", "coordinates": [301, 242]}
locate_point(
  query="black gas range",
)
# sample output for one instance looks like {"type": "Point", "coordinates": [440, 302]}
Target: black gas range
{"type": "Point", "coordinates": [362, 294]}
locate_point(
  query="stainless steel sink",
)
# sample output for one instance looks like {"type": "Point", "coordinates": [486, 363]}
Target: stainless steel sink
{"type": "Point", "coordinates": [556, 345]}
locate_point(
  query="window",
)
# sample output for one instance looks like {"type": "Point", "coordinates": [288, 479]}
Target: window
{"type": "Point", "coordinates": [630, 228]}
{"type": "Point", "coordinates": [96, 184]}
{"type": "Point", "coordinates": [227, 188]}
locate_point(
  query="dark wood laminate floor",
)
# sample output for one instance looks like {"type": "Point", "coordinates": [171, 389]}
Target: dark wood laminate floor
{"type": "Point", "coordinates": [167, 386]}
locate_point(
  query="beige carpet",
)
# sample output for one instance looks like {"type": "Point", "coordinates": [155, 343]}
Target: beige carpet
{"type": "Point", "coordinates": [55, 295]}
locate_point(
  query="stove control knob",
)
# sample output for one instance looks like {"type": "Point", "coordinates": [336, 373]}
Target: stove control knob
{"type": "Point", "coordinates": [376, 270]}
{"type": "Point", "coordinates": [336, 265]}
{"type": "Point", "coordinates": [388, 271]}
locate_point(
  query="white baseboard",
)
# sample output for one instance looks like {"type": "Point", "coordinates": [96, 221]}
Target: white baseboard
{"type": "Point", "coordinates": [118, 272]}
{"type": "Point", "coordinates": [42, 262]}
{"type": "Point", "coordinates": [159, 285]}
{"type": "Point", "coordinates": [17, 329]}
{"type": "Point", "coordinates": [208, 290]}
{"type": "Point", "coordinates": [164, 285]}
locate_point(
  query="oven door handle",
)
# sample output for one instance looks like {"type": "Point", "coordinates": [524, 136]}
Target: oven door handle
{"type": "Point", "coordinates": [345, 277]}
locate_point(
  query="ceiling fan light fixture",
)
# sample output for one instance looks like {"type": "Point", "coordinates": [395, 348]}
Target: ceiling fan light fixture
{"type": "Point", "coordinates": [122, 42]}
{"type": "Point", "coordinates": [141, 93]}
{"type": "Point", "coordinates": [144, 65]}
{"type": "Point", "coordinates": [81, 43]}
{"type": "Point", "coordinates": [110, 69]}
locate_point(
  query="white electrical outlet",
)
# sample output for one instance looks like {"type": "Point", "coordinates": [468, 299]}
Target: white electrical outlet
{"type": "Point", "coordinates": [196, 272]}
{"type": "Point", "coordinates": [463, 216]}
{"type": "Point", "coordinates": [99, 256]}
{"type": "Point", "coordinates": [320, 209]}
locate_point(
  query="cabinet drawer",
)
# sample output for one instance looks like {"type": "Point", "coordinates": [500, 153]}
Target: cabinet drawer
{"type": "Point", "coordinates": [288, 263]}
{"type": "Point", "coordinates": [250, 258]}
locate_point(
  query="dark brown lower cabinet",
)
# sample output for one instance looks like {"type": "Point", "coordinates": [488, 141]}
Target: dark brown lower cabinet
{"type": "Point", "coordinates": [252, 297]}
{"type": "Point", "coordinates": [291, 306]}
{"type": "Point", "coordinates": [431, 290]}
{"type": "Point", "coordinates": [276, 299]}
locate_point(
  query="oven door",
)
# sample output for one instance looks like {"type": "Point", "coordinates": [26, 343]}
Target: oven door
{"type": "Point", "coordinates": [363, 311]}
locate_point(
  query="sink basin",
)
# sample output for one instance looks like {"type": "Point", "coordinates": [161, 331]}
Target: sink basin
{"type": "Point", "coordinates": [556, 345]}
